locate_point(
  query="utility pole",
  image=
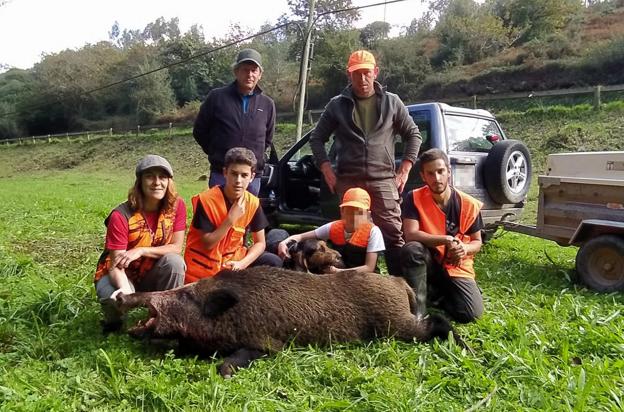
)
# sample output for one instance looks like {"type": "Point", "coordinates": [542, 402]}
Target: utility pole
{"type": "Point", "coordinates": [304, 68]}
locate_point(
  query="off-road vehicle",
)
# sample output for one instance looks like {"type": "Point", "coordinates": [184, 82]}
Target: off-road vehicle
{"type": "Point", "coordinates": [484, 163]}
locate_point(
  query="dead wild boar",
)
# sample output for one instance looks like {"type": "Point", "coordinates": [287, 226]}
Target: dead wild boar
{"type": "Point", "coordinates": [249, 313]}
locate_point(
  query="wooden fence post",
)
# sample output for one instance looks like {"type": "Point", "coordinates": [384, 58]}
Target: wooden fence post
{"type": "Point", "coordinates": [310, 119]}
{"type": "Point", "coordinates": [49, 139]}
{"type": "Point", "coordinates": [88, 137]}
{"type": "Point", "coordinates": [138, 129]}
{"type": "Point", "coordinates": [474, 101]}
{"type": "Point", "coordinates": [597, 97]}
{"type": "Point", "coordinates": [67, 136]}
{"type": "Point", "coordinates": [170, 125]}
{"type": "Point", "coordinates": [110, 131]}
{"type": "Point", "coordinates": [33, 139]}
{"type": "Point", "coordinates": [20, 141]}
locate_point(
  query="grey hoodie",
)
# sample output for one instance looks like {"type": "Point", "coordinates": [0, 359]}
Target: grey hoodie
{"type": "Point", "coordinates": [359, 156]}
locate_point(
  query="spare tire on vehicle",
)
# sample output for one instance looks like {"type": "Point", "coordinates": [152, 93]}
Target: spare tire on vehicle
{"type": "Point", "coordinates": [507, 172]}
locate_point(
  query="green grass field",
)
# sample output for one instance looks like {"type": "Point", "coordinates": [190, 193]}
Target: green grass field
{"type": "Point", "coordinates": [545, 343]}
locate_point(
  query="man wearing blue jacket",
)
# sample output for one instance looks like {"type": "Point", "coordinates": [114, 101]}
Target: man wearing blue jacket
{"type": "Point", "coordinates": [236, 115]}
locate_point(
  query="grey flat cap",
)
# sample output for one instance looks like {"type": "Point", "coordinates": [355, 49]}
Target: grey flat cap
{"type": "Point", "coordinates": [150, 161]}
{"type": "Point", "coordinates": [248, 55]}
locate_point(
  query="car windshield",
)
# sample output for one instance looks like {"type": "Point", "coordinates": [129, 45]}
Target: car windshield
{"type": "Point", "coordinates": [470, 134]}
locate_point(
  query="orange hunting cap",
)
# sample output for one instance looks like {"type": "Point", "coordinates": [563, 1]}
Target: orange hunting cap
{"type": "Point", "coordinates": [356, 197]}
{"type": "Point", "coordinates": [361, 59]}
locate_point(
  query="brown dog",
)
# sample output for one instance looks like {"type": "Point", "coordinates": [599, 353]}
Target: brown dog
{"type": "Point", "coordinates": [312, 256]}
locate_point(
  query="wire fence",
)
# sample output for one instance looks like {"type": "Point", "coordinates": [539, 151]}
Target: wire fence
{"type": "Point", "coordinates": [595, 93]}
{"type": "Point", "coordinates": [90, 134]}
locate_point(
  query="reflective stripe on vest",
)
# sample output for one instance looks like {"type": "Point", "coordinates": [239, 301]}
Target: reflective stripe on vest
{"type": "Point", "coordinates": [432, 220]}
{"type": "Point", "coordinates": [139, 235]}
{"type": "Point", "coordinates": [201, 263]}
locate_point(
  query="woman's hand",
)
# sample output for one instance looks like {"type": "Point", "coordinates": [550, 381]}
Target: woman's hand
{"type": "Point", "coordinates": [123, 260]}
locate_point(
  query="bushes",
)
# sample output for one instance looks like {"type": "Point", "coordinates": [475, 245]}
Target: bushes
{"type": "Point", "coordinates": [608, 58]}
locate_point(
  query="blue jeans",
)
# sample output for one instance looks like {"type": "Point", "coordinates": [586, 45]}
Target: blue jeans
{"type": "Point", "coordinates": [217, 179]}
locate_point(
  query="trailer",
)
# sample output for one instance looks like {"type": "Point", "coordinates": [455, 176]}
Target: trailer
{"type": "Point", "coordinates": [581, 203]}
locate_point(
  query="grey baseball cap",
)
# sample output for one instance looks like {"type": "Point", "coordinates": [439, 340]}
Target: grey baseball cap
{"type": "Point", "coordinates": [150, 161]}
{"type": "Point", "coordinates": [248, 55]}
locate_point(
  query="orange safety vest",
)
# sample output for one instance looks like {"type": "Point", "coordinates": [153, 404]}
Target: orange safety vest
{"type": "Point", "coordinates": [139, 235]}
{"type": "Point", "coordinates": [354, 251]}
{"type": "Point", "coordinates": [432, 220]}
{"type": "Point", "coordinates": [201, 263]}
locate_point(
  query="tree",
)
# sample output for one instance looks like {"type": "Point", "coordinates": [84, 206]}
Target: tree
{"type": "Point", "coordinates": [373, 32]}
{"type": "Point", "coordinates": [535, 18]}
{"type": "Point", "coordinates": [64, 80]}
{"type": "Point", "coordinates": [328, 71]}
{"type": "Point", "coordinates": [403, 66]}
{"type": "Point", "coordinates": [14, 84]}
{"type": "Point", "coordinates": [420, 26]}
{"type": "Point", "coordinates": [149, 95]}
{"type": "Point", "coordinates": [161, 30]}
{"type": "Point", "coordinates": [468, 32]}
{"type": "Point", "coordinates": [186, 77]}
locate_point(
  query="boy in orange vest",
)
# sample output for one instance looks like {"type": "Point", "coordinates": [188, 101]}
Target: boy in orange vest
{"type": "Point", "coordinates": [354, 236]}
{"type": "Point", "coordinates": [221, 215]}
{"type": "Point", "coordinates": [442, 228]}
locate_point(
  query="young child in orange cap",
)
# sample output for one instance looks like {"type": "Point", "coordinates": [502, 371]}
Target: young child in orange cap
{"type": "Point", "coordinates": [357, 239]}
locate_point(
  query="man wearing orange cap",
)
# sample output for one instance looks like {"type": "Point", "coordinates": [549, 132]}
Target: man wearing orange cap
{"type": "Point", "coordinates": [354, 236]}
{"type": "Point", "coordinates": [364, 119]}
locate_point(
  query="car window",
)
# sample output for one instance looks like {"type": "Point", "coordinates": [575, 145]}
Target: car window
{"type": "Point", "coordinates": [468, 134]}
{"type": "Point", "coordinates": [422, 118]}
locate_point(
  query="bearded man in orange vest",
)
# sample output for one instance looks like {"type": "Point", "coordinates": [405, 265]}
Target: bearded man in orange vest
{"type": "Point", "coordinates": [221, 216]}
{"type": "Point", "coordinates": [442, 228]}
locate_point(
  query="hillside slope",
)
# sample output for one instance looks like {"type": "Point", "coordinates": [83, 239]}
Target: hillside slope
{"type": "Point", "coordinates": [545, 130]}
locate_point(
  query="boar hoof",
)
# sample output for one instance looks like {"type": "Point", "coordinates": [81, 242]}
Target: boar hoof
{"type": "Point", "coordinates": [226, 370]}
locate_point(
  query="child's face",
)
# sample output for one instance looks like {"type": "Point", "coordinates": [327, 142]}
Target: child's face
{"type": "Point", "coordinates": [353, 217]}
{"type": "Point", "coordinates": [237, 178]}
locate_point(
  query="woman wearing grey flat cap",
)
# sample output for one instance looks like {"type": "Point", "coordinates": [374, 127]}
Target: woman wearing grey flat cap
{"type": "Point", "coordinates": [144, 238]}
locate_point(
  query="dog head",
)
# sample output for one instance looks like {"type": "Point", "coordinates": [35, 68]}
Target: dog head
{"type": "Point", "coordinates": [312, 255]}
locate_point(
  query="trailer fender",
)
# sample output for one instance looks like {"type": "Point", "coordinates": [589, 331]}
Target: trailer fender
{"type": "Point", "coordinates": [590, 228]}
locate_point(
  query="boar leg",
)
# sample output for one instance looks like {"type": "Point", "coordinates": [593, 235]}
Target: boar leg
{"type": "Point", "coordinates": [239, 359]}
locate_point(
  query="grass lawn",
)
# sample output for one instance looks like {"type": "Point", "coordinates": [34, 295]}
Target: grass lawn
{"type": "Point", "coordinates": [544, 343]}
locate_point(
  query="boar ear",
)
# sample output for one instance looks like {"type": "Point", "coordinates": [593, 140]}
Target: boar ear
{"type": "Point", "coordinates": [218, 301]}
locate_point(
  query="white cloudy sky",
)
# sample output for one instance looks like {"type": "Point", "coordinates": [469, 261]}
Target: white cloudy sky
{"type": "Point", "coordinates": [29, 28]}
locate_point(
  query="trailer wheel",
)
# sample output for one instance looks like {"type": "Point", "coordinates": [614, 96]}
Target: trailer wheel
{"type": "Point", "coordinates": [600, 263]}
{"type": "Point", "coordinates": [507, 172]}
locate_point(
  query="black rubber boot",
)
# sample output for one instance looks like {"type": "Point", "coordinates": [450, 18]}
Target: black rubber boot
{"type": "Point", "coordinates": [416, 277]}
